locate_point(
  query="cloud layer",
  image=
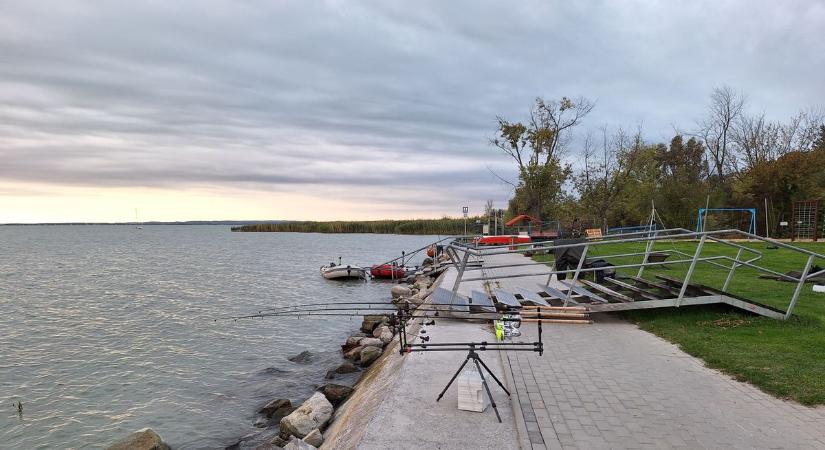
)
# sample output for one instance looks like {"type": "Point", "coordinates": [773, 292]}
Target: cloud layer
{"type": "Point", "coordinates": [368, 101]}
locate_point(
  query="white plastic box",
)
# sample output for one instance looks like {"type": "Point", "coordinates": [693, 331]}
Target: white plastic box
{"type": "Point", "coordinates": [471, 393]}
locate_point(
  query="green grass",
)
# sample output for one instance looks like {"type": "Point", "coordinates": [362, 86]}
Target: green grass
{"type": "Point", "coordinates": [784, 358]}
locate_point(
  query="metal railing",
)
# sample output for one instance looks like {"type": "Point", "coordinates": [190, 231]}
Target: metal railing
{"type": "Point", "coordinates": [460, 254]}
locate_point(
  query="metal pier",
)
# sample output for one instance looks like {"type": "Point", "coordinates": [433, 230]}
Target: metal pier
{"type": "Point", "coordinates": [573, 280]}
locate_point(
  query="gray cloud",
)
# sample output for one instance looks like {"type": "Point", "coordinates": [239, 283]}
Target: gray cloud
{"type": "Point", "coordinates": [278, 95]}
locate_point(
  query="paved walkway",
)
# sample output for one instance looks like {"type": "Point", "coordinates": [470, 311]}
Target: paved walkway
{"type": "Point", "coordinates": [612, 385]}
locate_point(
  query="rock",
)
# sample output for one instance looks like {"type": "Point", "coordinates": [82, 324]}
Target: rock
{"type": "Point", "coordinates": [336, 393]}
{"type": "Point", "coordinates": [145, 439]}
{"type": "Point", "coordinates": [354, 353]}
{"type": "Point", "coordinates": [313, 413]}
{"type": "Point", "coordinates": [269, 446]}
{"type": "Point", "coordinates": [416, 300]}
{"type": "Point", "coordinates": [280, 413]}
{"type": "Point", "coordinates": [269, 409]}
{"type": "Point", "coordinates": [386, 336]}
{"type": "Point", "coordinates": [370, 342]}
{"type": "Point", "coordinates": [279, 441]}
{"type": "Point", "coordinates": [301, 358]}
{"type": "Point", "coordinates": [379, 329]}
{"type": "Point", "coordinates": [371, 321]}
{"type": "Point", "coordinates": [370, 354]}
{"type": "Point", "coordinates": [422, 285]}
{"type": "Point", "coordinates": [353, 340]}
{"type": "Point", "coordinates": [346, 367]}
{"type": "Point", "coordinates": [314, 438]}
{"type": "Point", "coordinates": [297, 444]}
{"type": "Point", "coordinates": [398, 291]}
{"type": "Point", "coordinates": [261, 422]}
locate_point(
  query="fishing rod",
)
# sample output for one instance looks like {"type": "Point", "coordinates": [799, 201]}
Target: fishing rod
{"type": "Point", "coordinates": [367, 311]}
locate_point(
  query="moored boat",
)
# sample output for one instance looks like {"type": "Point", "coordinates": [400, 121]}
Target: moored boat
{"type": "Point", "coordinates": [389, 271]}
{"type": "Point", "coordinates": [507, 239]}
{"type": "Point", "coordinates": [340, 271]}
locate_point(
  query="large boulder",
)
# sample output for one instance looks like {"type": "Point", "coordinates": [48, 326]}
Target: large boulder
{"type": "Point", "coordinates": [314, 438]}
{"type": "Point", "coordinates": [313, 413]}
{"type": "Point", "coordinates": [336, 393]}
{"type": "Point", "coordinates": [370, 354]}
{"type": "Point", "coordinates": [379, 329]}
{"type": "Point", "coordinates": [346, 367]}
{"type": "Point", "coordinates": [278, 404]}
{"type": "Point", "coordinates": [370, 342]}
{"type": "Point", "coordinates": [371, 321]}
{"type": "Point", "coordinates": [400, 291]}
{"type": "Point", "coordinates": [386, 336]}
{"type": "Point", "coordinates": [353, 353]}
{"type": "Point", "coordinates": [297, 444]}
{"type": "Point", "coordinates": [145, 439]}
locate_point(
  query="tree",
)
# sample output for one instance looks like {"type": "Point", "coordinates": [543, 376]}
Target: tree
{"type": "Point", "coordinates": [536, 147]}
{"type": "Point", "coordinates": [819, 143]}
{"type": "Point", "coordinates": [726, 106]}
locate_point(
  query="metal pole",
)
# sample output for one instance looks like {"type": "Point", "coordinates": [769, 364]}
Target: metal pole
{"type": "Point", "coordinates": [732, 269]}
{"type": "Point", "coordinates": [576, 275]}
{"type": "Point", "coordinates": [459, 275]}
{"type": "Point", "coordinates": [767, 225]}
{"type": "Point", "coordinates": [690, 270]}
{"type": "Point", "coordinates": [648, 249]}
{"type": "Point", "coordinates": [799, 287]}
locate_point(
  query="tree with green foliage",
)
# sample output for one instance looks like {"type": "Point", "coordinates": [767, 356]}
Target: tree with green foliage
{"type": "Point", "coordinates": [536, 147]}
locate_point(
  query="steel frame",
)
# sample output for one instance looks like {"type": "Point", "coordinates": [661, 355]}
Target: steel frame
{"type": "Point", "coordinates": [745, 257]}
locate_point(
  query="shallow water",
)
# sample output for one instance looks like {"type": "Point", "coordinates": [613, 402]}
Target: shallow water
{"type": "Point", "coordinates": [107, 329]}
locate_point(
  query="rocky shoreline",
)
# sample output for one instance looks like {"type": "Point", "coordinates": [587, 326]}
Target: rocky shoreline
{"type": "Point", "coordinates": [287, 426]}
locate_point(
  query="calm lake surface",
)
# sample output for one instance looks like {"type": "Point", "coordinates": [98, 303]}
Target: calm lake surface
{"type": "Point", "coordinates": [108, 329]}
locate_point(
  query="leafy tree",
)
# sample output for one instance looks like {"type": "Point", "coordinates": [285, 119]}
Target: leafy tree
{"type": "Point", "coordinates": [536, 147]}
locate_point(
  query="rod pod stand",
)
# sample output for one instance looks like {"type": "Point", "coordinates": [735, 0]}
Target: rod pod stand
{"type": "Point", "coordinates": [472, 355]}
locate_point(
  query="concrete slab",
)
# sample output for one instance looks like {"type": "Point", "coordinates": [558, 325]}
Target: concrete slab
{"type": "Point", "coordinates": [410, 418]}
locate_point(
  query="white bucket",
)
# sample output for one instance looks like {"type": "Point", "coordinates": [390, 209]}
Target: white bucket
{"type": "Point", "coordinates": [818, 288]}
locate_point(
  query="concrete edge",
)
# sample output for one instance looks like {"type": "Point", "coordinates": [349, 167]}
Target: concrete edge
{"type": "Point", "coordinates": [353, 417]}
{"type": "Point", "coordinates": [515, 403]}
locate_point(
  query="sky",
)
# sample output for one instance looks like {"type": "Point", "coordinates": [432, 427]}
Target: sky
{"type": "Point", "coordinates": [318, 110]}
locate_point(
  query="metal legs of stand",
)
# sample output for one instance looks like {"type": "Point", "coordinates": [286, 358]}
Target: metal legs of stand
{"type": "Point", "coordinates": [472, 355]}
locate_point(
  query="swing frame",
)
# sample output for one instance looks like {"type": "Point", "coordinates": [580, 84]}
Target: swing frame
{"type": "Point", "coordinates": [701, 218]}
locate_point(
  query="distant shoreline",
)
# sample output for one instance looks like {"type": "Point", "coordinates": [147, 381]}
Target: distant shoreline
{"type": "Point", "coordinates": [443, 226]}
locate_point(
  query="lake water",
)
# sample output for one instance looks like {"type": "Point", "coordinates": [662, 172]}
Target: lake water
{"type": "Point", "coordinates": [108, 329]}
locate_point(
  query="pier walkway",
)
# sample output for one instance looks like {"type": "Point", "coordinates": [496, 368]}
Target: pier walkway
{"type": "Point", "coordinates": [612, 385]}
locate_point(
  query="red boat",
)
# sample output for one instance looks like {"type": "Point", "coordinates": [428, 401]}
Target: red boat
{"type": "Point", "coordinates": [507, 239]}
{"type": "Point", "coordinates": [388, 271]}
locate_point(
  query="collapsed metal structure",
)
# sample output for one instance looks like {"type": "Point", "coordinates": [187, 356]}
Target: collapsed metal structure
{"type": "Point", "coordinates": [619, 292]}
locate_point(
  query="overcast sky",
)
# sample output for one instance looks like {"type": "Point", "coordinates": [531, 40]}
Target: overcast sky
{"type": "Point", "coordinates": [319, 110]}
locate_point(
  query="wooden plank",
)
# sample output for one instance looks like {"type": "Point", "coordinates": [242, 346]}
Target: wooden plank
{"type": "Point", "coordinates": [608, 291]}
{"type": "Point", "coordinates": [553, 315]}
{"type": "Point", "coordinates": [570, 321]}
{"type": "Point", "coordinates": [640, 292]}
{"type": "Point", "coordinates": [555, 308]}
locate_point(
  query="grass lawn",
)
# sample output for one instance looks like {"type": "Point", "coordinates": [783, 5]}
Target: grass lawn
{"type": "Point", "coordinates": [784, 358]}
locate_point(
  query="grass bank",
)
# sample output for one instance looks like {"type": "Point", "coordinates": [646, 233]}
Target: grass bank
{"type": "Point", "coordinates": [444, 226]}
{"type": "Point", "coordinates": [784, 358]}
